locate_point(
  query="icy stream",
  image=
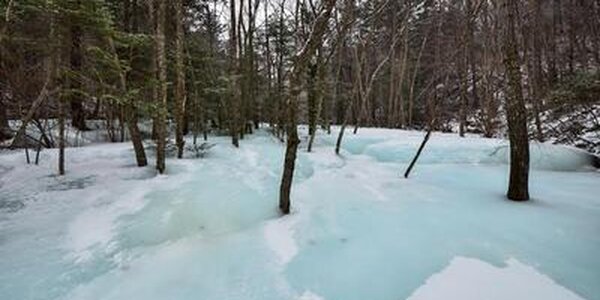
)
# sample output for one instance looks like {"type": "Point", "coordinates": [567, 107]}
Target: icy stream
{"type": "Point", "coordinates": [210, 229]}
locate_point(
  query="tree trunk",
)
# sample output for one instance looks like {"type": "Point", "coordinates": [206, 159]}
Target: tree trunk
{"type": "Point", "coordinates": [161, 114]}
{"type": "Point", "coordinates": [537, 67]}
{"type": "Point", "coordinates": [76, 60]}
{"type": "Point", "coordinates": [50, 74]}
{"type": "Point", "coordinates": [179, 93]}
{"type": "Point", "coordinates": [61, 137]}
{"type": "Point", "coordinates": [299, 67]}
{"type": "Point", "coordinates": [471, 51]}
{"type": "Point", "coordinates": [402, 119]}
{"type": "Point", "coordinates": [518, 187]}
{"type": "Point", "coordinates": [553, 61]}
{"type": "Point", "coordinates": [130, 113]}
{"type": "Point", "coordinates": [411, 95]}
{"type": "Point", "coordinates": [319, 95]}
{"type": "Point", "coordinates": [234, 126]}
{"type": "Point", "coordinates": [421, 147]}
{"type": "Point", "coordinates": [5, 132]}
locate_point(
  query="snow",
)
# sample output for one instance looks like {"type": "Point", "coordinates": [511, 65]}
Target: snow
{"type": "Point", "coordinates": [514, 281]}
{"type": "Point", "coordinates": [210, 228]}
{"type": "Point", "coordinates": [279, 237]}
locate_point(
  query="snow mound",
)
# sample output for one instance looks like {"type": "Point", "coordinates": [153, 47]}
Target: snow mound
{"type": "Point", "coordinates": [551, 157]}
{"type": "Point", "coordinates": [398, 146]}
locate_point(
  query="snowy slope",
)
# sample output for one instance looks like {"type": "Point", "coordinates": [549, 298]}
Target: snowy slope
{"type": "Point", "coordinates": [210, 229]}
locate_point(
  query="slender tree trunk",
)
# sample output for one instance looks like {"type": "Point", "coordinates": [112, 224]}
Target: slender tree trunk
{"type": "Point", "coordinates": [518, 188]}
{"type": "Point", "coordinates": [61, 137]}
{"type": "Point", "coordinates": [392, 105]}
{"type": "Point", "coordinates": [463, 82]}
{"type": "Point", "coordinates": [401, 114]}
{"type": "Point", "coordinates": [234, 127]}
{"type": "Point", "coordinates": [37, 103]}
{"type": "Point", "coordinates": [154, 69]}
{"type": "Point", "coordinates": [180, 95]}
{"type": "Point", "coordinates": [553, 61]}
{"type": "Point", "coordinates": [299, 67]}
{"type": "Point", "coordinates": [471, 51]}
{"type": "Point", "coordinates": [319, 91]}
{"type": "Point", "coordinates": [131, 113]}
{"type": "Point", "coordinates": [5, 132]}
{"type": "Point", "coordinates": [421, 147]}
{"type": "Point", "coordinates": [347, 113]}
{"type": "Point", "coordinates": [411, 96]}
{"type": "Point", "coordinates": [161, 114]}
{"type": "Point", "coordinates": [537, 67]}
{"type": "Point", "coordinates": [76, 60]}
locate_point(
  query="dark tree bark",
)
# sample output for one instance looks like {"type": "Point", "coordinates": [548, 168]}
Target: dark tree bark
{"type": "Point", "coordinates": [180, 95]}
{"type": "Point", "coordinates": [161, 130]}
{"type": "Point", "coordinates": [518, 187]}
{"type": "Point", "coordinates": [234, 126]}
{"type": "Point", "coordinates": [76, 62]}
{"type": "Point", "coordinates": [61, 137]}
{"type": "Point", "coordinates": [300, 63]}
{"type": "Point", "coordinates": [421, 147]}
{"type": "Point", "coordinates": [471, 51]}
{"type": "Point", "coordinates": [5, 132]}
{"type": "Point", "coordinates": [319, 90]}
{"type": "Point", "coordinates": [537, 67]}
{"type": "Point", "coordinates": [553, 61]}
{"type": "Point", "coordinates": [131, 113]}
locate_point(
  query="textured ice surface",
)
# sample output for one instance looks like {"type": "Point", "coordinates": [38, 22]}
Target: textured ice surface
{"type": "Point", "coordinates": [210, 229]}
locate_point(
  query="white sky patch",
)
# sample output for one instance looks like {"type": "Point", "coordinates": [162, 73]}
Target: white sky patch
{"type": "Point", "coordinates": [472, 279]}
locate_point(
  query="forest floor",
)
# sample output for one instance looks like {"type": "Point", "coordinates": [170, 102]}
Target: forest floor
{"type": "Point", "coordinates": [210, 228]}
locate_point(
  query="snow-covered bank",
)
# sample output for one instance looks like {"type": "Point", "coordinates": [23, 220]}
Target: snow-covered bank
{"type": "Point", "coordinates": [210, 229]}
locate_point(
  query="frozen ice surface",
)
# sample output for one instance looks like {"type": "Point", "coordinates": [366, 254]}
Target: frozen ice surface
{"type": "Point", "coordinates": [210, 228]}
{"type": "Point", "coordinates": [515, 281]}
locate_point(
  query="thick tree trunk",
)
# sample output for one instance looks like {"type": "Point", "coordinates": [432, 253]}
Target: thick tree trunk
{"type": "Point", "coordinates": [518, 187]}
{"type": "Point", "coordinates": [180, 95]}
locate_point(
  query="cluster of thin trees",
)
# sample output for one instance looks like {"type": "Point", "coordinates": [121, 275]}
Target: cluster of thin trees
{"type": "Point", "coordinates": [230, 65]}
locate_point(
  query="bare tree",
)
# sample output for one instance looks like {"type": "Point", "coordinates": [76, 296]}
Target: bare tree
{"type": "Point", "coordinates": [518, 186]}
{"type": "Point", "coordinates": [161, 104]}
{"type": "Point", "coordinates": [301, 61]}
{"type": "Point", "coordinates": [180, 92]}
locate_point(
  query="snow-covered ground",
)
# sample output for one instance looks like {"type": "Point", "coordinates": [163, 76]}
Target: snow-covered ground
{"type": "Point", "coordinates": [210, 229]}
